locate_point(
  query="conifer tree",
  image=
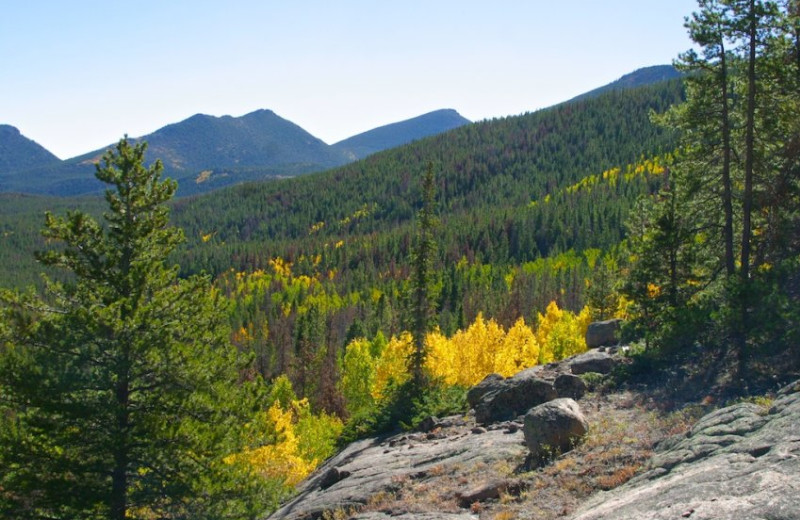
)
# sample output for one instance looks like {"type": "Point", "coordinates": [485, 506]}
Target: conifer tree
{"type": "Point", "coordinates": [119, 387]}
{"type": "Point", "coordinates": [422, 279]}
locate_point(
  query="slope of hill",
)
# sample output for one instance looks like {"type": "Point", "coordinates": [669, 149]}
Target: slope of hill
{"type": "Point", "coordinates": [17, 152]}
{"type": "Point", "coordinates": [403, 132]}
{"type": "Point", "coordinates": [637, 78]}
{"type": "Point", "coordinates": [488, 174]}
{"type": "Point", "coordinates": [494, 180]}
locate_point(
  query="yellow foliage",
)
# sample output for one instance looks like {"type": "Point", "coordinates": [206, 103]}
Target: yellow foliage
{"type": "Point", "coordinates": [483, 348]}
{"type": "Point", "coordinates": [316, 227]}
{"type": "Point", "coordinates": [298, 441]}
{"type": "Point", "coordinates": [471, 354]}
{"type": "Point", "coordinates": [281, 266]}
{"type": "Point", "coordinates": [560, 333]}
{"type": "Point", "coordinates": [391, 365]}
{"type": "Point", "coordinates": [281, 460]}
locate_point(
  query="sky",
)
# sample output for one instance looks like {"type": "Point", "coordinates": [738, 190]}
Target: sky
{"type": "Point", "coordinates": [77, 75]}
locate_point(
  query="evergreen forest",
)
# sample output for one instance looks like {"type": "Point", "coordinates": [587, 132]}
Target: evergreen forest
{"type": "Point", "coordinates": [198, 357]}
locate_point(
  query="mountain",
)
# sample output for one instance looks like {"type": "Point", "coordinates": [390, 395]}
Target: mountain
{"type": "Point", "coordinates": [202, 153]}
{"type": "Point", "coordinates": [18, 153]}
{"type": "Point", "coordinates": [403, 132]}
{"type": "Point", "coordinates": [637, 78]}
{"type": "Point", "coordinates": [490, 176]}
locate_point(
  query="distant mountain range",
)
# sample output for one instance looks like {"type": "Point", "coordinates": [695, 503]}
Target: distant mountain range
{"type": "Point", "coordinates": [204, 152]}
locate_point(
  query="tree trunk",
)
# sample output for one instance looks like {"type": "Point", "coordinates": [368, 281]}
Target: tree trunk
{"type": "Point", "coordinates": [119, 475]}
{"type": "Point", "coordinates": [747, 197]}
{"type": "Point", "coordinates": [727, 192]}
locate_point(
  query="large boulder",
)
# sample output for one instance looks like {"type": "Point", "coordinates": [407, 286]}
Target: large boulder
{"type": "Point", "coordinates": [554, 427]}
{"type": "Point", "coordinates": [593, 361]}
{"type": "Point", "coordinates": [603, 333]}
{"type": "Point", "coordinates": [570, 385]}
{"type": "Point", "coordinates": [490, 383]}
{"type": "Point", "coordinates": [509, 398]}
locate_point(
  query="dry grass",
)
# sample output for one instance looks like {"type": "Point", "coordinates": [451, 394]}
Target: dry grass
{"type": "Point", "coordinates": [620, 441]}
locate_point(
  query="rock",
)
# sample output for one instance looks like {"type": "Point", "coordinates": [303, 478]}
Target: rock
{"type": "Point", "coordinates": [602, 333]}
{"type": "Point", "coordinates": [490, 383]}
{"type": "Point", "coordinates": [375, 466]}
{"type": "Point", "coordinates": [332, 476]}
{"type": "Point", "coordinates": [569, 385]}
{"type": "Point", "coordinates": [428, 424]}
{"type": "Point", "coordinates": [736, 462]}
{"type": "Point", "coordinates": [509, 398]}
{"type": "Point", "coordinates": [399, 515]}
{"type": "Point", "coordinates": [490, 491]}
{"type": "Point", "coordinates": [593, 361]}
{"type": "Point", "coordinates": [554, 427]}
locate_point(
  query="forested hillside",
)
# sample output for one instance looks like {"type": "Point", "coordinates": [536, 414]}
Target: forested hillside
{"type": "Point", "coordinates": [490, 176]}
{"type": "Point", "coordinates": [527, 208]}
{"type": "Point", "coordinates": [322, 308]}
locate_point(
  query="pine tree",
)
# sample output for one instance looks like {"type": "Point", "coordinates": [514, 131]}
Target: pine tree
{"type": "Point", "coordinates": [422, 279]}
{"type": "Point", "coordinates": [119, 387]}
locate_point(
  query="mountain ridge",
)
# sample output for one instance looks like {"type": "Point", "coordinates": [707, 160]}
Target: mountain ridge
{"type": "Point", "coordinates": [204, 153]}
{"type": "Point", "coordinates": [401, 132]}
{"type": "Point", "coordinates": [637, 78]}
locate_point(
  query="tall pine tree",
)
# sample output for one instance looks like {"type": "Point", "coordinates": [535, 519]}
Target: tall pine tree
{"type": "Point", "coordinates": [119, 388]}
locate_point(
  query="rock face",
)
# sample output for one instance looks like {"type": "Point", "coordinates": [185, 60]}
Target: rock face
{"type": "Point", "coordinates": [507, 399]}
{"type": "Point", "coordinates": [371, 467]}
{"type": "Point", "coordinates": [554, 427]}
{"type": "Point", "coordinates": [737, 462]}
{"type": "Point", "coordinates": [603, 333]}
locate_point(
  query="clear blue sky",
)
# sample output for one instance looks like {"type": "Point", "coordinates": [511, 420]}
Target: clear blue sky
{"type": "Point", "coordinates": [77, 75]}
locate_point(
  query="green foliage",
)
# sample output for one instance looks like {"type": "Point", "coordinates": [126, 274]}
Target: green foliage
{"type": "Point", "coordinates": [119, 389]}
{"type": "Point", "coordinates": [708, 252]}
{"type": "Point", "coordinates": [403, 406]}
{"type": "Point", "coordinates": [422, 290]}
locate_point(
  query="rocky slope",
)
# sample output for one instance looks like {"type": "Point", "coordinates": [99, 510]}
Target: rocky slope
{"type": "Point", "coordinates": [742, 461]}
{"type": "Point", "coordinates": [736, 462]}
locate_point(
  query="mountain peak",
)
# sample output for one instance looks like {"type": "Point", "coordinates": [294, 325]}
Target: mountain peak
{"type": "Point", "coordinates": [400, 133]}
{"type": "Point", "coordinates": [637, 78]}
{"type": "Point", "coordinates": [17, 152]}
